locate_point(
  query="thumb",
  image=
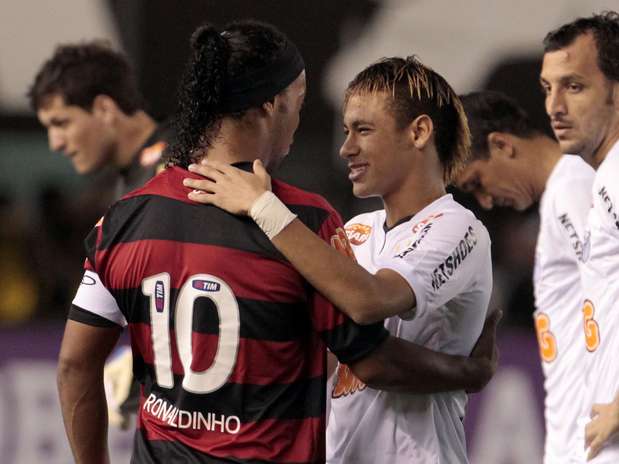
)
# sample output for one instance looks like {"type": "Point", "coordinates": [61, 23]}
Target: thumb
{"type": "Point", "coordinates": [259, 169]}
{"type": "Point", "coordinates": [261, 172]}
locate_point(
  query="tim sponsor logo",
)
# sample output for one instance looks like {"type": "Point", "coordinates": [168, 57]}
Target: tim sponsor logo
{"type": "Point", "coordinates": [206, 285]}
{"type": "Point", "coordinates": [442, 274]}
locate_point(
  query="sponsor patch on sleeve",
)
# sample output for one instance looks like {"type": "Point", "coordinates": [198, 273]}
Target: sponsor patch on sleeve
{"type": "Point", "coordinates": [358, 233]}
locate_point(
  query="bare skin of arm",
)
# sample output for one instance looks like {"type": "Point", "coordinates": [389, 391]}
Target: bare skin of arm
{"type": "Point", "coordinates": [399, 365]}
{"type": "Point", "coordinates": [80, 386]}
{"type": "Point", "coordinates": [363, 296]}
{"type": "Point", "coordinates": [603, 427]}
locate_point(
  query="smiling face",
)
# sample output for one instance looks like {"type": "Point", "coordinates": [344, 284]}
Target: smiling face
{"type": "Point", "coordinates": [78, 134]}
{"type": "Point", "coordinates": [580, 101]}
{"type": "Point", "coordinates": [502, 179]}
{"type": "Point", "coordinates": [377, 151]}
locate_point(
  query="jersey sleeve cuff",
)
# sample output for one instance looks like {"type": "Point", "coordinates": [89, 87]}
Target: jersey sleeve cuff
{"type": "Point", "coordinates": [86, 317]}
{"type": "Point", "coordinates": [365, 345]}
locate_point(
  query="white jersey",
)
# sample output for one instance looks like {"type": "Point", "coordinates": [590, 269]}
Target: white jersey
{"type": "Point", "coordinates": [558, 301]}
{"type": "Point", "coordinates": [600, 278]}
{"type": "Point", "coordinates": [443, 252]}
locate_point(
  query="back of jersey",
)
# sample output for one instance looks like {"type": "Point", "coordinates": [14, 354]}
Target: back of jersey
{"type": "Point", "coordinates": [226, 345]}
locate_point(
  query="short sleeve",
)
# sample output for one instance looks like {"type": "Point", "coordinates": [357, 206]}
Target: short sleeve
{"type": "Point", "coordinates": [93, 302]}
{"type": "Point", "coordinates": [346, 339]}
{"type": "Point", "coordinates": [453, 253]}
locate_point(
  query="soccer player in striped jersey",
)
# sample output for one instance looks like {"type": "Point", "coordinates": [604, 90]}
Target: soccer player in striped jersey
{"type": "Point", "coordinates": [425, 264]}
{"type": "Point", "coordinates": [229, 340]}
{"type": "Point", "coordinates": [515, 165]}
{"type": "Point", "coordinates": [580, 77]}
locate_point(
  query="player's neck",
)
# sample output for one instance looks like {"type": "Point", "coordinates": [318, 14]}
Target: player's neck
{"type": "Point", "coordinates": [236, 143]}
{"type": "Point", "coordinates": [544, 154]}
{"type": "Point", "coordinates": [607, 144]}
{"type": "Point", "coordinates": [414, 194]}
{"type": "Point", "coordinates": [133, 132]}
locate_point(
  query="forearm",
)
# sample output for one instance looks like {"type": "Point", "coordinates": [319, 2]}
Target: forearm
{"type": "Point", "coordinates": [84, 411]}
{"type": "Point", "coordinates": [363, 296]}
{"type": "Point", "coordinates": [399, 365]}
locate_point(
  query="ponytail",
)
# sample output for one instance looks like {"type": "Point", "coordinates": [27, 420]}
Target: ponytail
{"type": "Point", "coordinates": [200, 95]}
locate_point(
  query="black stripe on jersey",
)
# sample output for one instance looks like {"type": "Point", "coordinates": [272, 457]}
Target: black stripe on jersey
{"type": "Point", "coordinates": [145, 452]}
{"type": "Point", "coordinates": [358, 340]}
{"type": "Point", "coordinates": [153, 217]}
{"type": "Point", "coordinates": [260, 320]}
{"type": "Point", "coordinates": [86, 317]}
{"type": "Point", "coordinates": [299, 400]}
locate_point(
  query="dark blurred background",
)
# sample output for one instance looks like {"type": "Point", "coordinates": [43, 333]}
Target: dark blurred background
{"type": "Point", "coordinates": [48, 209]}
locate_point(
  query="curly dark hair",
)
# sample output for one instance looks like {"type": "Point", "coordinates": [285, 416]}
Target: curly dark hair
{"type": "Point", "coordinates": [416, 89]}
{"type": "Point", "coordinates": [490, 111]}
{"type": "Point", "coordinates": [79, 72]}
{"type": "Point", "coordinates": [216, 57]}
{"type": "Point", "coordinates": [605, 30]}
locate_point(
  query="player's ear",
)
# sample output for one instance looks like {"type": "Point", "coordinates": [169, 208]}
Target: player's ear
{"type": "Point", "coordinates": [421, 130]}
{"type": "Point", "coordinates": [268, 107]}
{"type": "Point", "coordinates": [500, 145]}
{"type": "Point", "coordinates": [105, 107]}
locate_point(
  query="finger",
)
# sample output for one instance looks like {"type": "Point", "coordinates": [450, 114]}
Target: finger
{"type": "Point", "coordinates": [209, 172]}
{"type": "Point", "coordinates": [596, 409]}
{"type": "Point", "coordinates": [200, 196]}
{"type": "Point", "coordinates": [205, 185]}
{"type": "Point", "coordinates": [224, 168]}
{"type": "Point", "coordinates": [259, 168]}
{"type": "Point", "coordinates": [589, 434]}
{"type": "Point", "coordinates": [594, 449]}
{"type": "Point", "coordinates": [262, 173]}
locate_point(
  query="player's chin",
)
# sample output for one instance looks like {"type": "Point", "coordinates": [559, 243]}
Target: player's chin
{"type": "Point", "coordinates": [84, 168]}
{"type": "Point", "coordinates": [361, 190]}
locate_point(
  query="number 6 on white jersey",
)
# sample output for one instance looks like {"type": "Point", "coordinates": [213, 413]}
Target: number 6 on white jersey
{"type": "Point", "coordinates": [157, 287]}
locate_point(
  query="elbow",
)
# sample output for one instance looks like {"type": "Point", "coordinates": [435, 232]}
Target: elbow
{"type": "Point", "coordinates": [363, 318]}
{"type": "Point", "coordinates": [365, 312]}
{"type": "Point", "coordinates": [369, 375]}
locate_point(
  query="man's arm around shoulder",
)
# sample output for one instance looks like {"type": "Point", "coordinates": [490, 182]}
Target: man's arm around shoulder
{"type": "Point", "coordinates": [399, 365]}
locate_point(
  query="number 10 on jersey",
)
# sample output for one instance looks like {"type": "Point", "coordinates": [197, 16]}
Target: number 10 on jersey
{"type": "Point", "coordinates": [157, 288]}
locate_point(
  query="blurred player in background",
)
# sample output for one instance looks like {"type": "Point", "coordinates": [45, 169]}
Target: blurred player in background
{"type": "Point", "coordinates": [86, 96]}
{"type": "Point", "coordinates": [580, 76]}
{"type": "Point", "coordinates": [229, 340]}
{"type": "Point", "coordinates": [515, 165]}
{"type": "Point", "coordinates": [425, 259]}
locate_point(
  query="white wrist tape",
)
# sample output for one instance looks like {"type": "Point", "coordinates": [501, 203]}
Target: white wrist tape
{"type": "Point", "coordinates": [271, 214]}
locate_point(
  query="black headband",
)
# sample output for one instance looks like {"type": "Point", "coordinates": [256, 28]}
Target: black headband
{"type": "Point", "coordinates": [256, 87]}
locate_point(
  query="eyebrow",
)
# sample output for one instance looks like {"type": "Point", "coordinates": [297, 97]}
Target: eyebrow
{"type": "Point", "coordinates": [564, 79]}
{"type": "Point", "coordinates": [358, 122]}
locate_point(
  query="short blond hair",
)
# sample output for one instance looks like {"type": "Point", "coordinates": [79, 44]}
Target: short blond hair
{"type": "Point", "coordinates": [415, 90]}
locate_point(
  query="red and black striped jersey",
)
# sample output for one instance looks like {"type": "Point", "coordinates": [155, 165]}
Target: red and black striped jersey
{"type": "Point", "coordinates": [229, 341]}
